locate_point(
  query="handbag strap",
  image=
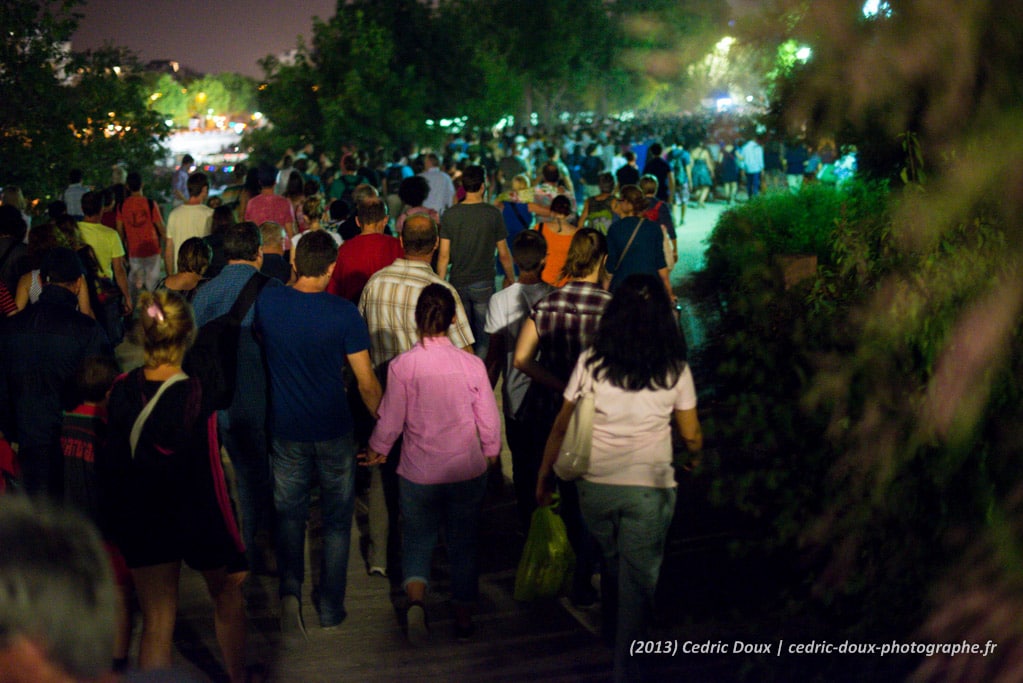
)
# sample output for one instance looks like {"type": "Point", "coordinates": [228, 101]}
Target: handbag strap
{"type": "Point", "coordinates": [628, 244]}
{"type": "Point", "coordinates": [247, 296]}
{"type": "Point", "coordinates": [140, 421]}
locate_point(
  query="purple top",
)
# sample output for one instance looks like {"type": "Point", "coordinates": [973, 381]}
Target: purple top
{"type": "Point", "coordinates": [440, 397]}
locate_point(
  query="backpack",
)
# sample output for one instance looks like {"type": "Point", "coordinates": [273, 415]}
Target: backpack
{"type": "Point", "coordinates": [214, 356]}
{"type": "Point", "coordinates": [394, 177]}
{"type": "Point", "coordinates": [600, 216]}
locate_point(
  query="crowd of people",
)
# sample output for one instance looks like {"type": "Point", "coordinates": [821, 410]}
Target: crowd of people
{"type": "Point", "coordinates": [417, 288]}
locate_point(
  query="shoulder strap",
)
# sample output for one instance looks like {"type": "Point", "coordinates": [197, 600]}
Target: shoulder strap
{"type": "Point", "coordinates": [248, 295]}
{"type": "Point", "coordinates": [628, 244]}
{"type": "Point", "coordinates": [140, 421]}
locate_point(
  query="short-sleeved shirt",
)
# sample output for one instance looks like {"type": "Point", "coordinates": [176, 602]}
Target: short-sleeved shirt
{"type": "Point", "coordinates": [307, 388]}
{"type": "Point", "coordinates": [474, 231]}
{"type": "Point", "coordinates": [507, 309]}
{"type": "Point", "coordinates": [566, 321]}
{"type": "Point", "coordinates": [105, 242]}
{"type": "Point", "coordinates": [658, 167]}
{"type": "Point", "coordinates": [631, 429]}
{"type": "Point", "coordinates": [270, 207]}
{"type": "Point", "coordinates": [188, 220]}
{"type": "Point", "coordinates": [140, 216]}
{"type": "Point", "coordinates": [388, 304]}
{"type": "Point", "coordinates": [357, 260]}
{"type": "Point", "coordinates": [644, 255]}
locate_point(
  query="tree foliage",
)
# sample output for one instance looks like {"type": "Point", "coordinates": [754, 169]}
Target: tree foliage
{"type": "Point", "coordinates": [65, 111]}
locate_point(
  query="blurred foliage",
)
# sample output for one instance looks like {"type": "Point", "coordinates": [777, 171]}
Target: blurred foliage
{"type": "Point", "coordinates": [227, 94]}
{"type": "Point", "coordinates": [66, 111]}
{"type": "Point", "coordinates": [869, 420]}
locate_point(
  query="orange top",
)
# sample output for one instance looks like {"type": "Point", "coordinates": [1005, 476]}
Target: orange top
{"type": "Point", "coordinates": [557, 251]}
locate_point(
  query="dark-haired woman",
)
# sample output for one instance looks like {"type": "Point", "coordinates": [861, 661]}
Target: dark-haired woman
{"type": "Point", "coordinates": [439, 397]}
{"type": "Point", "coordinates": [641, 384]}
{"type": "Point", "coordinates": [635, 244]}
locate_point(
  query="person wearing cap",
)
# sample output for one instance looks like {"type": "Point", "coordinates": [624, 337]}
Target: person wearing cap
{"type": "Point", "coordinates": [40, 350]}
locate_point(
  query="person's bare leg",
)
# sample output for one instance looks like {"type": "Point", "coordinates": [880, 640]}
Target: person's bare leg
{"type": "Point", "coordinates": [229, 618]}
{"type": "Point", "coordinates": [157, 590]}
{"type": "Point", "coordinates": [416, 591]}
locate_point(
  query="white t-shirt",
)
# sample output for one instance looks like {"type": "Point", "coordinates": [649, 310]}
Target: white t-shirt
{"type": "Point", "coordinates": [505, 313]}
{"type": "Point", "coordinates": [188, 220]}
{"type": "Point", "coordinates": [632, 429]}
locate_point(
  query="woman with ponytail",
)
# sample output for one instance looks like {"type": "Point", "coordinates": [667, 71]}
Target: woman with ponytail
{"type": "Point", "coordinates": [164, 488]}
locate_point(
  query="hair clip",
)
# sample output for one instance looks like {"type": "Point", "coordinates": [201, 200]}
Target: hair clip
{"type": "Point", "coordinates": [155, 311]}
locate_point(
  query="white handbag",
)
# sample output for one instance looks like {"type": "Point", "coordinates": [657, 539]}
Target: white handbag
{"type": "Point", "coordinates": [574, 456]}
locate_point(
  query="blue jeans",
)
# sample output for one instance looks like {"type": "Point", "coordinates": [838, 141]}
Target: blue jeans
{"type": "Point", "coordinates": [424, 507]}
{"type": "Point", "coordinates": [631, 524]}
{"type": "Point", "coordinates": [752, 184]}
{"type": "Point", "coordinates": [476, 302]}
{"type": "Point", "coordinates": [294, 463]}
{"type": "Point", "coordinates": [247, 446]}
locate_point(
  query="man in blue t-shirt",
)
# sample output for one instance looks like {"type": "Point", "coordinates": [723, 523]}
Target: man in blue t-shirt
{"type": "Point", "coordinates": [308, 335]}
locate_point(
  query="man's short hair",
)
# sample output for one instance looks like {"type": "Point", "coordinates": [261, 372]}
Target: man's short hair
{"type": "Point", "coordinates": [629, 155]}
{"type": "Point", "coordinates": [529, 248]}
{"type": "Point", "coordinates": [95, 376]}
{"type": "Point", "coordinates": [56, 586]}
{"type": "Point", "coordinates": [272, 233]}
{"type": "Point", "coordinates": [242, 242]}
{"type": "Point", "coordinates": [419, 234]}
{"type": "Point", "coordinates": [654, 151]}
{"type": "Point", "coordinates": [61, 266]}
{"type": "Point", "coordinates": [187, 160]}
{"type": "Point", "coordinates": [134, 181]}
{"type": "Point", "coordinates": [550, 173]}
{"type": "Point", "coordinates": [315, 253]}
{"type": "Point", "coordinates": [472, 178]}
{"type": "Point", "coordinates": [197, 182]}
{"type": "Point", "coordinates": [414, 190]}
{"type": "Point", "coordinates": [371, 211]}
{"type": "Point", "coordinates": [362, 192]}
{"type": "Point", "coordinates": [605, 182]}
{"type": "Point", "coordinates": [92, 203]}
{"type": "Point", "coordinates": [267, 175]}
{"type": "Point", "coordinates": [339, 210]}
{"type": "Point", "coordinates": [75, 176]}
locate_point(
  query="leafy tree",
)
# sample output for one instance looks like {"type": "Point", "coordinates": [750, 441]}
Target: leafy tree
{"type": "Point", "coordinates": [56, 113]}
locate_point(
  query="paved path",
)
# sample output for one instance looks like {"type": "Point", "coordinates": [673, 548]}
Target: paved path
{"type": "Point", "coordinates": [542, 641]}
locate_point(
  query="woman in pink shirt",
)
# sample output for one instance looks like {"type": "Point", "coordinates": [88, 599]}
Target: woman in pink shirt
{"type": "Point", "coordinates": [440, 398]}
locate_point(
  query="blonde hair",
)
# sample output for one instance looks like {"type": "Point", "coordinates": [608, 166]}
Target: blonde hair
{"type": "Point", "coordinates": [520, 182]}
{"type": "Point", "coordinates": [167, 327]}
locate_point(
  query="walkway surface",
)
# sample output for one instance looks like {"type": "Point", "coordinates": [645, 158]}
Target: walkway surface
{"type": "Point", "coordinates": [542, 641]}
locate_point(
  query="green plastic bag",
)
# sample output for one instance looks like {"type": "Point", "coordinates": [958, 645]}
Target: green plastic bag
{"type": "Point", "coordinates": [547, 563]}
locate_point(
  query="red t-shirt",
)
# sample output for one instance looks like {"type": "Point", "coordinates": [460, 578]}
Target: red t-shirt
{"type": "Point", "coordinates": [357, 260]}
{"type": "Point", "coordinates": [139, 217]}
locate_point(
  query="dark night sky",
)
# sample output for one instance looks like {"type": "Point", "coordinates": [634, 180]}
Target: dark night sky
{"type": "Point", "coordinates": [204, 35]}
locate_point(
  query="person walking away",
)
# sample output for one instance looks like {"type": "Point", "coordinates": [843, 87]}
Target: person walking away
{"type": "Point", "coordinates": [641, 384]}
{"type": "Point", "coordinates": [508, 309]}
{"type": "Point", "coordinates": [140, 225]}
{"type": "Point", "coordinates": [444, 456]}
{"type": "Point", "coordinates": [468, 234]}
{"type": "Point", "coordinates": [311, 426]}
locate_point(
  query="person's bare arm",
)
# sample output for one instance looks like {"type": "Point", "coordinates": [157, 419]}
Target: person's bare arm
{"type": "Point", "coordinates": [689, 427]}
{"type": "Point", "coordinates": [506, 262]}
{"type": "Point", "coordinates": [443, 258]}
{"type": "Point", "coordinates": [545, 477]}
{"type": "Point", "coordinates": [369, 385]}
{"type": "Point", "coordinates": [168, 256]}
{"type": "Point", "coordinates": [121, 277]}
{"type": "Point", "coordinates": [525, 357]}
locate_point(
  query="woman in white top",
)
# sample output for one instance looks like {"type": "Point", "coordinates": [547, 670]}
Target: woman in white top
{"type": "Point", "coordinates": [641, 384]}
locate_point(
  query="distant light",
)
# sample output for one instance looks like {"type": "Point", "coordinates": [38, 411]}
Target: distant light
{"type": "Point", "coordinates": [724, 103]}
{"type": "Point", "coordinates": [876, 8]}
{"type": "Point", "coordinates": [117, 70]}
{"type": "Point", "coordinates": [111, 114]}
{"type": "Point", "coordinates": [804, 53]}
{"type": "Point", "coordinates": [724, 44]}
{"type": "Point", "coordinates": [169, 123]}
{"type": "Point", "coordinates": [749, 98]}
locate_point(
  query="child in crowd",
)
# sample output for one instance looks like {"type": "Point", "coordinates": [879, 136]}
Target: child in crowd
{"type": "Point", "coordinates": [82, 434]}
{"type": "Point", "coordinates": [508, 308]}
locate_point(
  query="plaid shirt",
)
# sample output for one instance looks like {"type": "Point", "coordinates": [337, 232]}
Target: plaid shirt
{"type": "Point", "coordinates": [566, 321]}
{"type": "Point", "coordinates": [388, 304]}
